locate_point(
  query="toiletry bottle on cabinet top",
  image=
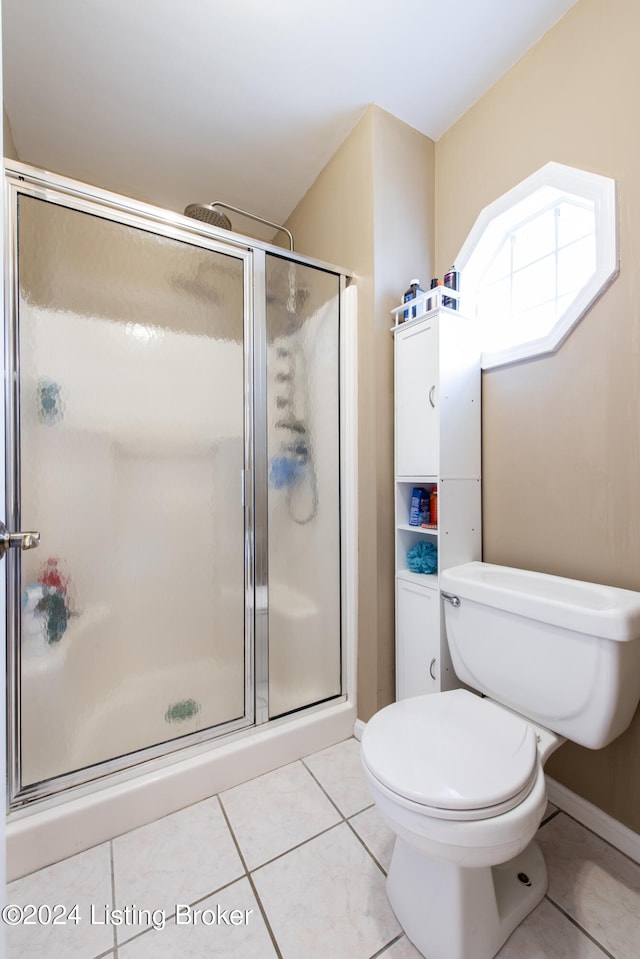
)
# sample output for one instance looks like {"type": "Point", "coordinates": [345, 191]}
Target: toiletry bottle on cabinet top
{"type": "Point", "coordinates": [414, 290]}
{"type": "Point", "coordinates": [452, 282]}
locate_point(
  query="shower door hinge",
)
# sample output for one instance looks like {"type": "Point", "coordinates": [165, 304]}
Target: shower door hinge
{"type": "Point", "coordinates": [244, 479]}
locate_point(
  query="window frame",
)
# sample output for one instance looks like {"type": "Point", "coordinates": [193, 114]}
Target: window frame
{"type": "Point", "coordinates": [479, 249]}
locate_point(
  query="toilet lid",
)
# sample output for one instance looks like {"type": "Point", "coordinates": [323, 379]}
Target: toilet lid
{"type": "Point", "coordinates": [453, 751]}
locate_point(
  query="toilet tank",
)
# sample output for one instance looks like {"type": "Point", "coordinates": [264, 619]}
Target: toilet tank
{"type": "Point", "coordinates": [561, 652]}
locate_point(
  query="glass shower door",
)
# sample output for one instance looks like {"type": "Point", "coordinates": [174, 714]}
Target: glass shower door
{"type": "Point", "coordinates": [303, 497]}
{"type": "Point", "coordinates": [129, 439]}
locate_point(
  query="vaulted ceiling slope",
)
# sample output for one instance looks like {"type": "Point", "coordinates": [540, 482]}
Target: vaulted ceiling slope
{"type": "Point", "coordinates": [242, 100]}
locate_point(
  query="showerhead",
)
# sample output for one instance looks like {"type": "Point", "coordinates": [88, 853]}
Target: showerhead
{"type": "Point", "coordinates": [207, 213]}
{"type": "Point", "coordinates": [201, 211]}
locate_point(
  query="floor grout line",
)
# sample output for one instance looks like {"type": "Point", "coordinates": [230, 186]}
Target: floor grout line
{"type": "Point", "coordinates": [552, 815]}
{"type": "Point", "coordinates": [597, 835]}
{"type": "Point", "coordinates": [113, 896]}
{"type": "Point", "coordinates": [207, 895]}
{"type": "Point", "coordinates": [194, 902]}
{"type": "Point", "coordinates": [303, 842]}
{"type": "Point", "coordinates": [578, 926]}
{"type": "Point", "coordinates": [136, 935]}
{"type": "Point", "coordinates": [388, 946]}
{"type": "Point", "coordinates": [346, 819]}
{"type": "Point", "coordinates": [298, 845]}
{"type": "Point", "coordinates": [264, 916]}
{"type": "Point", "coordinates": [319, 784]}
{"type": "Point", "coordinates": [250, 878]}
{"type": "Point", "coordinates": [363, 843]}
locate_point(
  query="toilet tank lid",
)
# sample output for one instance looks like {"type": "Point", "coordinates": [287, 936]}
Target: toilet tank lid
{"type": "Point", "coordinates": [608, 612]}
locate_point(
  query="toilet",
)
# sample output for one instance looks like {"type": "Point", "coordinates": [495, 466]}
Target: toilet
{"type": "Point", "coordinates": [458, 776]}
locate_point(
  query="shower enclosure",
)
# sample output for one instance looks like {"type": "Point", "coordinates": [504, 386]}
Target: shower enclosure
{"type": "Point", "coordinates": [173, 434]}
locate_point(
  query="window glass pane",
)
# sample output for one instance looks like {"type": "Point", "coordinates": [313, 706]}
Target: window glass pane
{"type": "Point", "coordinates": [534, 239]}
{"type": "Point", "coordinates": [534, 285]}
{"type": "Point", "coordinates": [564, 302]}
{"type": "Point", "coordinates": [500, 265]}
{"type": "Point", "coordinates": [574, 221]}
{"type": "Point", "coordinates": [576, 263]}
{"type": "Point", "coordinates": [494, 331]}
{"type": "Point", "coordinates": [535, 322]}
{"type": "Point", "coordinates": [495, 300]}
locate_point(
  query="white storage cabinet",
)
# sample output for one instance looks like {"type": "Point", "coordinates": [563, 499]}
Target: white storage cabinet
{"type": "Point", "coordinates": [437, 443]}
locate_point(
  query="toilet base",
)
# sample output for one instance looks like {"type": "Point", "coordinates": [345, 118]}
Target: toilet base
{"type": "Point", "coordinates": [449, 912]}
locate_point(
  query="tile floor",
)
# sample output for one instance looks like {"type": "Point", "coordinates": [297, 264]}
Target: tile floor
{"type": "Point", "coordinates": [292, 865]}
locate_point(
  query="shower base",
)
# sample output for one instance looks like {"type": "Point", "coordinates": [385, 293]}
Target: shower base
{"type": "Point", "coordinates": [92, 814]}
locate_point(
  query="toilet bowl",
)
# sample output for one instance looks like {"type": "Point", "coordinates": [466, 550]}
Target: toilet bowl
{"type": "Point", "coordinates": [458, 776]}
{"type": "Point", "coordinates": [459, 781]}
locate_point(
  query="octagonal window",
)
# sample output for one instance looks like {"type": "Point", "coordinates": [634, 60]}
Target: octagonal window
{"type": "Point", "coordinates": [536, 259]}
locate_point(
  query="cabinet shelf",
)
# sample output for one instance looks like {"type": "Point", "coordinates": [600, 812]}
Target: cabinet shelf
{"type": "Point", "coordinates": [431, 530]}
{"type": "Point", "coordinates": [428, 580]}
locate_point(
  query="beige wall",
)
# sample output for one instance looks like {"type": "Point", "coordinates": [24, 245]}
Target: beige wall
{"type": "Point", "coordinates": [404, 247]}
{"type": "Point", "coordinates": [371, 211]}
{"type": "Point", "coordinates": [561, 435]}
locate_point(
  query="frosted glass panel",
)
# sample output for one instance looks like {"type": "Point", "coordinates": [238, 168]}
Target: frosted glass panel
{"type": "Point", "coordinates": [303, 487]}
{"type": "Point", "coordinates": [132, 446]}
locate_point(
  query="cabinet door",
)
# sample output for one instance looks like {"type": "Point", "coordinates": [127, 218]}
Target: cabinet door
{"type": "Point", "coordinates": [416, 391]}
{"type": "Point", "coordinates": [417, 640]}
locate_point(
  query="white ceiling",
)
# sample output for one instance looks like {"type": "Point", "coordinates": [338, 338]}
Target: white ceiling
{"type": "Point", "coordinates": [176, 101]}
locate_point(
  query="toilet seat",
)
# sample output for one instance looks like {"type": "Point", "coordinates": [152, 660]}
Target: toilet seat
{"type": "Point", "coordinates": [451, 755]}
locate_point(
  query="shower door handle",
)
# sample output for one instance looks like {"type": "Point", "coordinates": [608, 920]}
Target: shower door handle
{"type": "Point", "coordinates": [17, 540]}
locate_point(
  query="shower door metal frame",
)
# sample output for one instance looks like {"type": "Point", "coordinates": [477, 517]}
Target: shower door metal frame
{"type": "Point", "coordinates": [260, 500]}
{"type": "Point", "coordinates": [346, 483]}
{"type": "Point", "coordinates": [21, 179]}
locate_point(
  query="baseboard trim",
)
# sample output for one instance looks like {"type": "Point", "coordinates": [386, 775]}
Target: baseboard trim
{"type": "Point", "coordinates": [358, 729]}
{"type": "Point", "coordinates": [599, 822]}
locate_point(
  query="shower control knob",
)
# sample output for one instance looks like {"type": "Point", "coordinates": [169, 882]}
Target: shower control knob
{"type": "Point", "coordinates": [17, 540]}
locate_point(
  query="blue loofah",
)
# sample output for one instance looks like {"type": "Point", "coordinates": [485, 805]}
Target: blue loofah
{"type": "Point", "coordinates": [423, 558]}
{"type": "Point", "coordinates": [285, 471]}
